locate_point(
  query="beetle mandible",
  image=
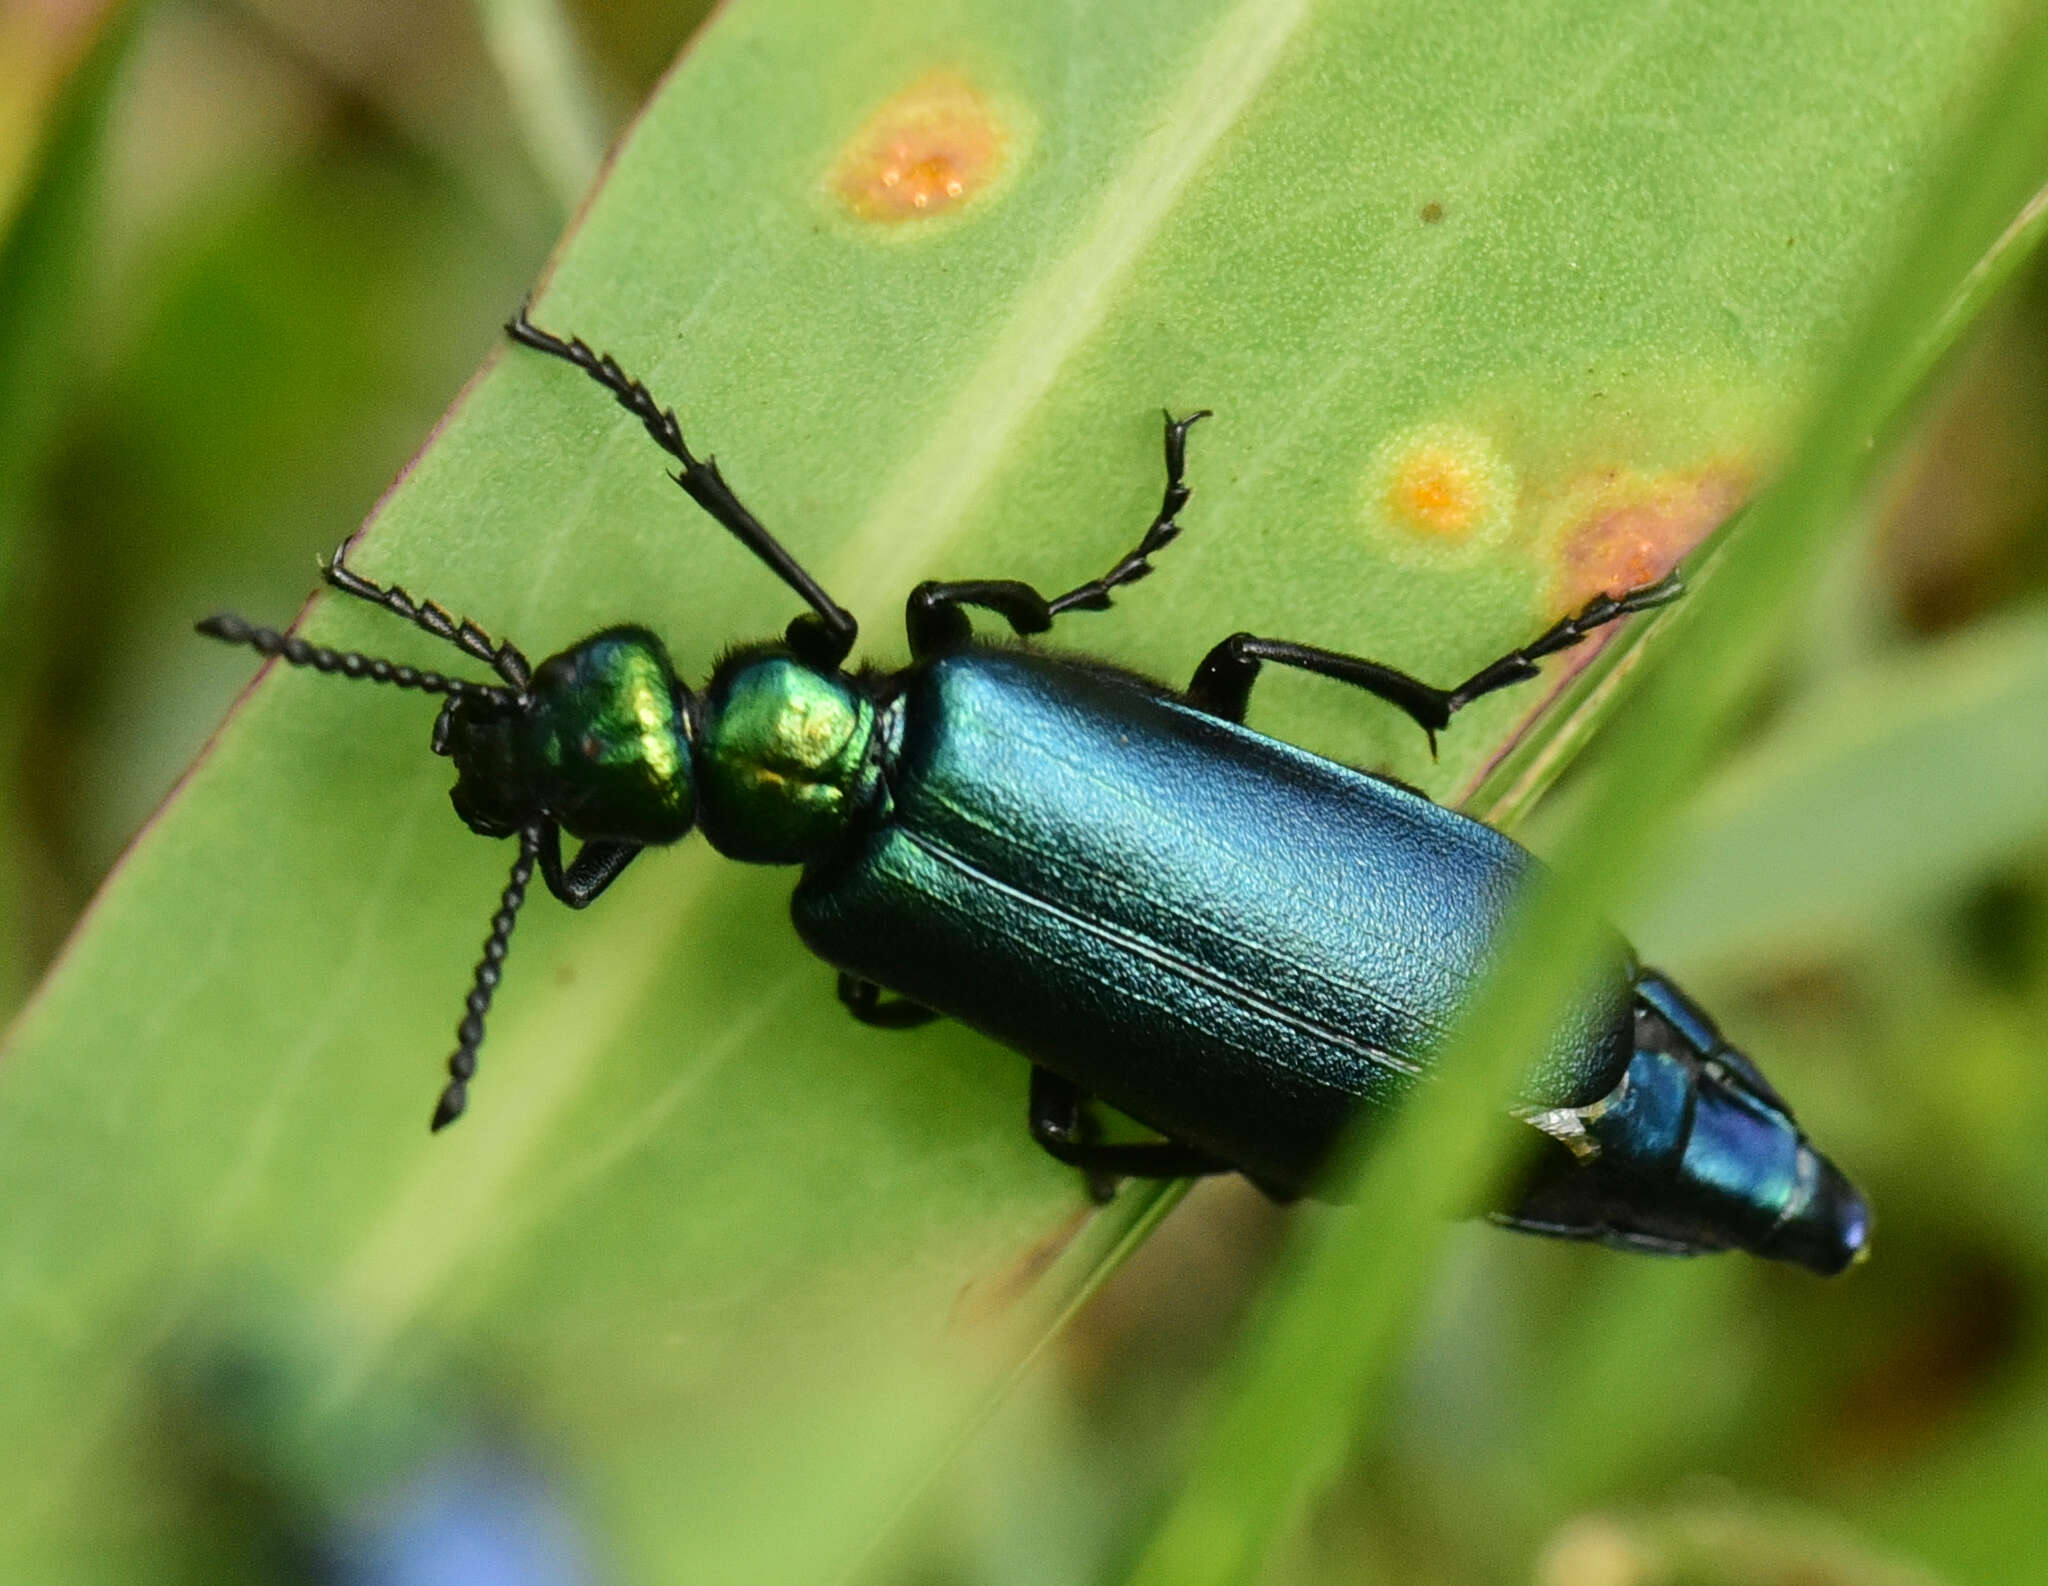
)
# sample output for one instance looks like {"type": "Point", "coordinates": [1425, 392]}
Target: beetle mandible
{"type": "Point", "coordinates": [1235, 942]}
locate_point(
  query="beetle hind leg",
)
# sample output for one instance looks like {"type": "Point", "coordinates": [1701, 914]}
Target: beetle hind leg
{"type": "Point", "coordinates": [1222, 684]}
{"type": "Point", "coordinates": [1063, 1126]}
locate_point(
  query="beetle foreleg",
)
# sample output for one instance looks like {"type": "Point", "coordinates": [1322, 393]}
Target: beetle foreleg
{"type": "Point", "coordinates": [595, 867]}
{"type": "Point", "coordinates": [1061, 1123]}
{"type": "Point", "coordinates": [825, 637]}
{"type": "Point", "coordinates": [863, 999]}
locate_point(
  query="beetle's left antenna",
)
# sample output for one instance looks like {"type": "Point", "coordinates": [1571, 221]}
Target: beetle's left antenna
{"type": "Point", "coordinates": [295, 651]}
{"type": "Point", "coordinates": [490, 969]}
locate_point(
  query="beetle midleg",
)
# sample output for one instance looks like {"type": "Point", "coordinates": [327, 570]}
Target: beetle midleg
{"type": "Point", "coordinates": [1061, 1123]}
{"type": "Point", "coordinates": [1222, 684]}
{"type": "Point", "coordinates": [935, 614]}
{"type": "Point", "coordinates": [863, 999]}
{"type": "Point", "coordinates": [936, 617]}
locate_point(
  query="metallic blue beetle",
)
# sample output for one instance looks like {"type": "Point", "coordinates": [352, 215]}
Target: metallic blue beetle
{"type": "Point", "coordinates": [1235, 942]}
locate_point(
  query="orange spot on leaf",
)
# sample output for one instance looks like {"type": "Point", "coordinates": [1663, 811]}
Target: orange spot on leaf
{"type": "Point", "coordinates": [924, 152]}
{"type": "Point", "coordinates": [1437, 491]}
{"type": "Point", "coordinates": [1638, 529]}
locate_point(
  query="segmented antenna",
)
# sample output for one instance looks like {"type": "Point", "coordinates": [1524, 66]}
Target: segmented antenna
{"type": "Point", "coordinates": [429, 617]}
{"type": "Point", "coordinates": [469, 1035]}
{"type": "Point", "coordinates": [290, 648]}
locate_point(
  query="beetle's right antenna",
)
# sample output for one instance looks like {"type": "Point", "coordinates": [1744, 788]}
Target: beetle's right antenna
{"type": "Point", "coordinates": [490, 969]}
{"type": "Point", "coordinates": [466, 636]}
{"type": "Point", "coordinates": [825, 638]}
{"type": "Point", "coordinates": [295, 651]}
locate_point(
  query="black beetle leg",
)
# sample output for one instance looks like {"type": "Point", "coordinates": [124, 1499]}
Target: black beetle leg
{"type": "Point", "coordinates": [936, 614]}
{"type": "Point", "coordinates": [1222, 684]}
{"type": "Point", "coordinates": [595, 867]}
{"type": "Point", "coordinates": [863, 999]}
{"type": "Point", "coordinates": [1061, 1123]}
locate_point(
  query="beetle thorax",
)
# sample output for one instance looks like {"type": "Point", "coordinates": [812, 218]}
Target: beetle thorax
{"type": "Point", "coordinates": [786, 758]}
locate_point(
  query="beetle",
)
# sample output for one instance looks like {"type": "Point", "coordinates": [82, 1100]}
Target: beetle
{"type": "Point", "coordinates": [1235, 942]}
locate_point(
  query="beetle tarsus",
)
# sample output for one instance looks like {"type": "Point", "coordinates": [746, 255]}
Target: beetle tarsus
{"type": "Point", "coordinates": [598, 863]}
{"type": "Point", "coordinates": [1222, 684]}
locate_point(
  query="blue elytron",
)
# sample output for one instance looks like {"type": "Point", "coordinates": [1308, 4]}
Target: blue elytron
{"type": "Point", "coordinates": [1237, 943]}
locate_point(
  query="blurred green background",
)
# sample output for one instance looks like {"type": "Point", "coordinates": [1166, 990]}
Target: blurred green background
{"type": "Point", "coordinates": [308, 223]}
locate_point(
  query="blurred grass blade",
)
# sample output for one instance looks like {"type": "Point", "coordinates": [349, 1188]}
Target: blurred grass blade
{"type": "Point", "coordinates": [1309, 1378]}
{"type": "Point", "coordinates": [1849, 811]}
{"type": "Point", "coordinates": [1988, 277]}
{"type": "Point", "coordinates": [554, 102]}
{"type": "Point", "coordinates": [42, 263]}
{"type": "Point", "coordinates": [1728, 1540]}
{"type": "Point", "coordinates": [42, 256]}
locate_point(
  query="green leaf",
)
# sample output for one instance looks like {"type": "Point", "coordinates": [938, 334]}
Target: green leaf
{"type": "Point", "coordinates": [1495, 309]}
